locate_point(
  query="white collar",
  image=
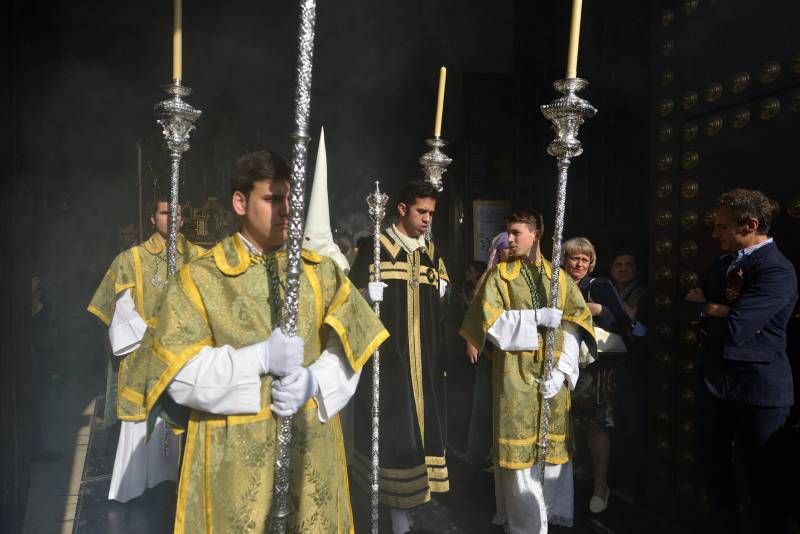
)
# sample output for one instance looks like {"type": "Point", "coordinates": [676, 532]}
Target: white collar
{"type": "Point", "coordinates": [409, 243]}
{"type": "Point", "coordinates": [749, 250]}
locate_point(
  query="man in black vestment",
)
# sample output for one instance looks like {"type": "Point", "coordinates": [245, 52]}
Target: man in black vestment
{"type": "Point", "coordinates": [413, 433]}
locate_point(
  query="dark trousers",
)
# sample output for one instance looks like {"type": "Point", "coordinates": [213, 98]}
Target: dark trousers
{"type": "Point", "coordinates": [754, 436]}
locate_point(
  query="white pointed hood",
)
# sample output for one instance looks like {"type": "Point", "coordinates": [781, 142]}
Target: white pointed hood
{"type": "Point", "coordinates": [318, 234]}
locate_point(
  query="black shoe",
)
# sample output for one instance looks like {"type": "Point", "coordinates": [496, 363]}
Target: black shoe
{"type": "Point", "coordinates": [45, 456]}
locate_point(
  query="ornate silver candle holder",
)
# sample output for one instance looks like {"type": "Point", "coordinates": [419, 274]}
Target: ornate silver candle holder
{"type": "Point", "coordinates": [300, 137]}
{"type": "Point", "coordinates": [377, 211]}
{"type": "Point", "coordinates": [567, 113]}
{"type": "Point", "coordinates": [176, 118]}
{"type": "Point", "coordinates": [435, 162]}
{"type": "Point", "coordinates": [434, 165]}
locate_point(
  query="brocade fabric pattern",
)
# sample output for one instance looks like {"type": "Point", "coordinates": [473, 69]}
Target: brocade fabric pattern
{"type": "Point", "coordinates": [227, 474]}
{"type": "Point", "coordinates": [143, 269]}
{"type": "Point", "coordinates": [516, 402]}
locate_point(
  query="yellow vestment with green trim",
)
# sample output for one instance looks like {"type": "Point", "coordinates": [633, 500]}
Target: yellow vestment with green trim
{"type": "Point", "coordinates": [516, 401]}
{"type": "Point", "coordinates": [143, 269]}
{"type": "Point", "coordinates": [226, 483]}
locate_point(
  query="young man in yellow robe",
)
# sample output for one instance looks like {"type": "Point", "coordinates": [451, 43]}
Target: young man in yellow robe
{"type": "Point", "coordinates": [217, 350]}
{"type": "Point", "coordinates": [126, 301]}
{"type": "Point", "coordinates": [508, 318]}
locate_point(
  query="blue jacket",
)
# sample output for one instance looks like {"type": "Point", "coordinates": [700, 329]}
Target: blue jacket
{"type": "Point", "coordinates": [743, 356]}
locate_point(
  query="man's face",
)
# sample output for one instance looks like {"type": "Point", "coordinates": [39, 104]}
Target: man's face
{"type": "Point", "coordinates": [731, 236]}
{"type": "Point", "coordinates": [624, 269]}
{"type": "Point", "coordinates": [416, 218]}
{"type": "Point", "coordinates": [344, 243]}
{"type": "Point", "coordinates": [160, 219]}
{"type": "Point", "coordinates": [264, 213]}
{"type": "Point", "coordinates": [577, 265]}
{"type": "Point", "coordinates": [127, 235]}
{"type": "Point", "coordinates": [521, 239]}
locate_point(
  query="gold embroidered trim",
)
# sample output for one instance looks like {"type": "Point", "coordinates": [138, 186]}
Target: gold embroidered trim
{"type": "Point", "coordinates": [207, 500]}
{"type": "Point", "coordinates": [139, 289]}
{"type": "Point", "coordinates": [440, 486]}
{"type": "Point", "coordinates": [391, 247]}
{"type": "Point", "coordinates": [509, 269]}
{"type": "Point", "coordinates": [435, 460]}
{"type": "Point", "coordinates": [94, 310]}
{"type": "Point", "coordinates": [131, 395]}
{"type": "Point", "coordinates": [242, 255]}
{"type": "Point", "coordinates": [313, 281]}
{"type": "Point", "coordinates": [401, 270]}
{"type": "Point", "coordinates": [186, 468]}
{"type": "Point", "coordinates": [174, 363]}
{"type": "Point", "coordinates": [414, 342]}
{"type": "Point", "coordinates": [388, 472]}
{"type": "Point", "coordinates": [191, 291]}
{"type": "Point", "coordinates": [357, 361]}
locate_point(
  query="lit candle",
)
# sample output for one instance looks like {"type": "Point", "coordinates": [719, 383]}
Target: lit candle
{"type": "Point", "coordinates": [177, 41]}
{"type": "Point", "coordinates": [437, 128]}
{"type": "Point", "coordinates": [574, 38]}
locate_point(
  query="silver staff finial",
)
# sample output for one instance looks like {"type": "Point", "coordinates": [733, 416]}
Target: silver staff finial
{"type": "Point", "coordinates": [376, 201]}
{"type": "Point", "coordinates": [567, 113]}
{"type": "Point", "coordinates": [435, 162]}
{"type": "Point", "coordinates": [176, 118]}
{"type": "Point", "coordinates": [302, 111]}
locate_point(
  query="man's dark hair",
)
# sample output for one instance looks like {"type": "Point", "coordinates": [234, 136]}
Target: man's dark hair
{"type": "Point", "coordinates": [532, 218]}
{"type": "Point", "coordinates": [256, 166]}
{"type": "Point", "coordinates": [623, 251]}
{"type": "Point", "coordinates": [156, 201]}
{"type": "Point", "coordinates": [410, 191]}
{"type": "Point", "coordinates": [746, 204]}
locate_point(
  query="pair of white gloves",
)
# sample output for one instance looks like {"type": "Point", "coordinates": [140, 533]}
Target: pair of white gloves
{"type": "Point", "coordinates": [516, 330]}
{"type": "Point", "coordinates": [375, 290]}
{"type": "Point", "coordinates": [282, 356]}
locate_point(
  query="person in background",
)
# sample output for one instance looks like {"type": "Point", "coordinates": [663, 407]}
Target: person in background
{"type": "Point", "coordinates": [344, 241]}
{"type": "Point", "coordinates": [479, 436]}
{"type": "Point", "coordinates": [593, 407]}
{"type": "Point", "coordinates": [471, 276]}
{"type": "Point", "coordinates": [624, 272]}
{"type": "Point", "coordinates": [126, 301]}
{"type": "Point", "coordinates": [745, 387]}
{"type": "Point", "coordinates": [128, 236]}
{"type": "Point", "coordinates": [41, 353]}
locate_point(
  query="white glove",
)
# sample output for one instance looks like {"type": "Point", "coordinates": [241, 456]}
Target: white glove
{"type": "Point", "coordinates": [375, 291]}
{"type": "Point", "coordinates": [549, 388]}
{"type": "Point", "coordinates": [549, 317]}
{"type": "Point", "coordinates": [281, 355]}
{"type": "Point", "coordinates": [442, 288]}
{"type": "Point", "coordinates": [291, 392]}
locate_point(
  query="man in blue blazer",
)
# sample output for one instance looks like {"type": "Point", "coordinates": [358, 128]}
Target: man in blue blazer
{"type": "Point", "coordinates": [745, 376]}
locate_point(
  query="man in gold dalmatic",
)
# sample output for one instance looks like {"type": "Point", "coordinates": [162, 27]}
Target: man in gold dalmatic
{"type": "Point", "coordinates": [126, 301]}
{"type": "Point", "coordinates": [508, 318]}
{"type": "Point", "coordinates": [217, 350]}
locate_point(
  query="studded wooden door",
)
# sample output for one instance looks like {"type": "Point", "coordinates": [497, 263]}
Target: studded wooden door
{"type": "Point", "coordinates": [726, 113]}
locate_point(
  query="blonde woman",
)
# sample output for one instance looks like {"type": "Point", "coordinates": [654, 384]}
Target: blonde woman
{"type": "Point", "coordinates": [594, 394]}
